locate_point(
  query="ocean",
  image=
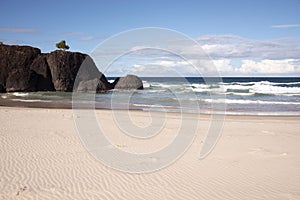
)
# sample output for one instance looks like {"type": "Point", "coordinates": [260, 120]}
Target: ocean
{"type": "Point", "coordinates": [228, 95]}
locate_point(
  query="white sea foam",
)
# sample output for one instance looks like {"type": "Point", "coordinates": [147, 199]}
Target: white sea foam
{"type": "Point", "coordinates": [20, 94]}
{"type": "Point", "coordinates": [153, 106]}
{"type": "Point", "coordinates": [31, 100]}
{"type": "Point", "coordinates": [249, 88]}
{"type": "Point", "coordinates": [251, 113]}
{"type": "Point", "coordinates": [240, 93]}
{"type": "Point", "coordinates": [270, 89]}
{"type": "Point", "coordinates": [240, 101]}
{"type": "Point", "coordinates": [146, 84]}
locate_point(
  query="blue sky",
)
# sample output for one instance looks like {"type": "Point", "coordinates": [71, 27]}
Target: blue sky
{"type": "Point", "coordinates": [270, 27]}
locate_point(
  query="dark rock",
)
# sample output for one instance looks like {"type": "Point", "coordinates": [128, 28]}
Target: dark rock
{"type": "Point", "coordinates": [14, 64]}
{"type": "Point", "coordinates": [128, 82]}
{"type": "Point", "coordinates": [98, 85]}
{"type": "Point", "coordinates": [103, 84]}
{"type": "Point", "coordinates": [115, 82]}
{"type": "Point", "coordinates": [88, 86]}
{"type": "Point", "coordinates": [2, 89]}
{"type": "Point", "coordinates": [89, 79]}
{"type": "Point", "coordinates": [44, 77]}
{"type": "Point", "coordinates": [25, 68]}
{"type": "Point", "coordinates": [88, 70]}
{"type": "Point", "coordinates": [21, 80]}
{"type": "Point", "coordinates": [64, 66]}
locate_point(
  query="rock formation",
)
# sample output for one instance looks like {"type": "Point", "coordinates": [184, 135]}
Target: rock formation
{"type": "Point", "coordinates": [128, 82]}
{"type": "Point", "coordinates": [15, 73]}
{"type": "Point", "coordinates": [44, 77]}
{"type": "Point", "coordinates": [26, 69]}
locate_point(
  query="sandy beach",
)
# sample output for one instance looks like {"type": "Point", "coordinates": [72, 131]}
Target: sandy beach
{"type": "Point", "coordinates": [42, 157]}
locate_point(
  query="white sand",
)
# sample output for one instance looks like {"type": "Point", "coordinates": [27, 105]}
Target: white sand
{"type": "Point", "coordinates": [41, 157]}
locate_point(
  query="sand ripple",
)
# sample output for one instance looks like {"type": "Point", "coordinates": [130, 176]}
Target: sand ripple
{"type": "Point", "coordinates": [41, 157]}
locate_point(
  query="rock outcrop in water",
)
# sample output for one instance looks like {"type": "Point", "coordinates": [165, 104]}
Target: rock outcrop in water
{"type": "Point", "coordinates": [26, 69]}
{"type": "Point", "coordinates": [128, 82]}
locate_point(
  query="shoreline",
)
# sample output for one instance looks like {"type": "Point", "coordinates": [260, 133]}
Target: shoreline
{"type": "Point", "coordinates": [67, 104]}
{"type": "Point", "coordinates": [176, 114]}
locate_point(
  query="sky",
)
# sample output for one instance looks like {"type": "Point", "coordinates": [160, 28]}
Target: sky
{"type": "Point", "coordinates": [242, 38]}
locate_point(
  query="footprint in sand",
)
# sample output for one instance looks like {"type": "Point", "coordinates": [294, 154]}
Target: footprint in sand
{"type": "Point", "coordinates": [22, 191]}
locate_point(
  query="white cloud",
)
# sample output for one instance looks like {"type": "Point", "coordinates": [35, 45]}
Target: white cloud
{"type": "Point", "coordinates": [262, 67]}
{"type": "Point", "coordinates": [224, 66]}
{"type": "Point", "coordinates": [171, 63]}
{"type": "Point", "coordinates": [88, 38]}
{"type": "Point", "coordinates": [150, 70]}
{"type": "Point", "coordinates": [286, 66]}
{"type": "Point", "coordinates": [232, 46]}
{"type": "Point", "coordinates": [286, 26]}
{"type": "Point", "coordinates": [231, 55]}
{"type": "Point", "coordinates": [163, 68]}
{"type": "Point", "coordinates": [18, 30]}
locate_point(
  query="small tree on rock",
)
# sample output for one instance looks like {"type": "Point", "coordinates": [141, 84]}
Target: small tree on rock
{"type": "Point", "coordinates": [62, 45]}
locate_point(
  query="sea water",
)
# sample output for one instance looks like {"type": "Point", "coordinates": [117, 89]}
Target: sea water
{"type": "Point", "coordinates": [228, 95]}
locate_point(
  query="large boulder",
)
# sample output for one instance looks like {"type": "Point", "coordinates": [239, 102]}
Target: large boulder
{"type": "Point", "coordinates": [68, 69]}
{"type": "Point", "coordinates": [88, 77]}
{"type": "Point", "coordinates": [64, 66]}
{"type": "Point", "coordinates": [128, 82]}
{"type": "Point", "coordinates": [15, 61]}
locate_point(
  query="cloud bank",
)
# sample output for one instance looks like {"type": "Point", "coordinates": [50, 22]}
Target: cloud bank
{"type": "Point", "coordinates": [232, 55]}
